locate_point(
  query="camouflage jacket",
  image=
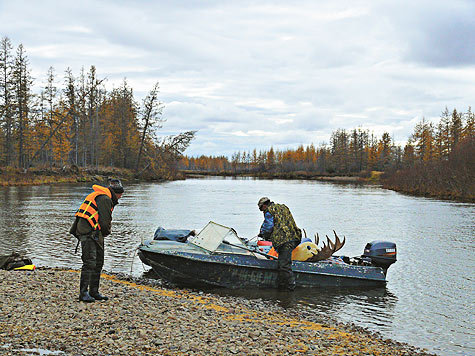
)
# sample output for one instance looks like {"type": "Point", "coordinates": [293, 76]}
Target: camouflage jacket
{"type": "Point", "coordinates": [285, 228]}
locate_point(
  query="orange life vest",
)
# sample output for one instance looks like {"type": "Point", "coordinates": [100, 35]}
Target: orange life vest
{"type": "Point", "coordinates": [88, 209]}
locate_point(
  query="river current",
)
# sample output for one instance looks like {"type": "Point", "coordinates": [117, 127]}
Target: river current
{"type": "Point", "coordinates": [428, 301]}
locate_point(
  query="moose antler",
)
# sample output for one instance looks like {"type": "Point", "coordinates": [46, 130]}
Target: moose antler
{"type": "Point", "coordinates": [328, 248]}
{"type": "Point", "coordinates": [338, 244]}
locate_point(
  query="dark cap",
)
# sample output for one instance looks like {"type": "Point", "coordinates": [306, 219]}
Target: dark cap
{"type": "Point", "coordinates": [116, 185]}
{"type": "Point", "coordinates": [262, 201]}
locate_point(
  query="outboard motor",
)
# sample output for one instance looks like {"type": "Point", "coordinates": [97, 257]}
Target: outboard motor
{"type": "Point", "coordinates": [381, 253]}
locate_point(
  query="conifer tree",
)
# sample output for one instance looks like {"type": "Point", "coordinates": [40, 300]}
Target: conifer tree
{"type": "Point", "coordinates": [83, 141]}
{"type": "Point", "coordinates": [340, 150]}
{"type": "Point", "coordinates": [442, 136]}
{"type": "Point", "coordinates": [424, 140]}
{"type": "Point", "coordinates": [22, 82]}
{"type": "Point", "coordinates": [456, 127]}
{"type": "Point", "coordinates": [70, 94]}
{"type": "Point", "coordinates": [469, 128]}
{"type": "Point", "coordinates": [358, 142]}
{"type": "Point", "coordinates": [93, 102]}
{"type": "Point", "coordinates": [50, 91]}
{"type": "Point", "coordinates": [120, 127]}
{"type": "Point", "coordinates": [384, 152]}
{"type": "Point", "coordinates": [270, 159]}
{"type": "Point", "coordinates": [6, 99]}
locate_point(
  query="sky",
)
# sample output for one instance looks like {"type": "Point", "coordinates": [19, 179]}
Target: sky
{"type": "Point", "coordinates": [261, 74]}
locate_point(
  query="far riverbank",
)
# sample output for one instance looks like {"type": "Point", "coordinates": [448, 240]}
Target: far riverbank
{"type": "Point", "coordinates": [68, 174]}
{"type": "Point", "coordinates": [302, 175]}
{"type": "Point", "coordinates": [373, 177]}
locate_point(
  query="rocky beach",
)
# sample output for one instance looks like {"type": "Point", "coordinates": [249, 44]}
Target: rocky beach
{"type": "Point", "coordinates": [40, 315]}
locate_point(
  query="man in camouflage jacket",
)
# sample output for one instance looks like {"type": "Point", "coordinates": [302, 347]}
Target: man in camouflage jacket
{"type": "Point", "coordinates": [280, 228]}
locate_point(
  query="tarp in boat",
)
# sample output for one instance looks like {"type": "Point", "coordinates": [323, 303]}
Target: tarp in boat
{"type": "Point", "coordinates": [172, 234]}
{"type": "Point", "coordinates": [213, 235]}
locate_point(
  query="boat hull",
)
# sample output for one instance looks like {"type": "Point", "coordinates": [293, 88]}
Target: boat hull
{"type": "Point", "coordinates": [244, 271]}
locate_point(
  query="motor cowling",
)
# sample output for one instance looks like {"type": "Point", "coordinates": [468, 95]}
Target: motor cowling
{"type": "Point", "coordinates": [381, 253]}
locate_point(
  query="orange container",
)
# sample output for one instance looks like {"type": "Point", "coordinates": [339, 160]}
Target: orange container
{"type": "Point", "coordinates": [264, 246]}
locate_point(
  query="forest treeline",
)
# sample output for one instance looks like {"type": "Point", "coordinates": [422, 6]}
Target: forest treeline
{"type": "Point", "coordinates": [437, 160]}
{"type": "Point", "coordinates": [80, 123]}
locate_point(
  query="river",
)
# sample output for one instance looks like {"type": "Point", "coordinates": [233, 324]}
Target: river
{"type": "Point", "coordinates": [428, 301]}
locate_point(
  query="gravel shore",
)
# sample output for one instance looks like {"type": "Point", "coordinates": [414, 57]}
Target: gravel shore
{"type": "Point", "coordinates": [40, 314]}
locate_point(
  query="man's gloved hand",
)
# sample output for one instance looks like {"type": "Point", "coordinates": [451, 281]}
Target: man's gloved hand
{"type": "Point", "coordinates": [260, 235]}
{"type": "Point", "coordinates": [95, 235]}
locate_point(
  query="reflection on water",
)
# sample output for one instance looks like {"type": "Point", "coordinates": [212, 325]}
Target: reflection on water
{"type": "Point", "coordinates": [428, 301]}
{"type": "Point", "coordinates": [372, 308]}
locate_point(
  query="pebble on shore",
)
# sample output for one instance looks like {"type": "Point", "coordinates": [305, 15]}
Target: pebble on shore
{"type": "Point", "coordinates": [40, 314]}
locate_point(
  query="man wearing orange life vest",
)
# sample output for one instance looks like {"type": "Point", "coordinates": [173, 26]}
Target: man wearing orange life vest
{"type": "Point", "coordinates": [92, 224]}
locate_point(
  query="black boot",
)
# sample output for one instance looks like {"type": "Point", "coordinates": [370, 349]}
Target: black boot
{"type": "Point", "coordinates": [83, 284]}
{"type": "Point", "coordinates": [99, 296]}
{"type": "Point", "coordinates": [94, 287]}
{"type": "Point", "coordinates": [291, 284]}
{"type": "Point", "coordinates": [86, 298]}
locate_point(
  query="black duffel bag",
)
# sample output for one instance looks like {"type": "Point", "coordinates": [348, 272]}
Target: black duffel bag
{"type": "Point", "coordinates": [14, 260]}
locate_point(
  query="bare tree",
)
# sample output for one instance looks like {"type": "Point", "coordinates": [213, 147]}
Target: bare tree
{"type": "Point", "coordinates": [151, 117]}
{"type": "Point", "coordinates": [171, 149]}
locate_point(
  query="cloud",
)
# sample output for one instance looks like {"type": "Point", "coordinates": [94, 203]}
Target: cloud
{"type": "Point", "coordinates": [259, 74]}
{"type": "Point", "coordinates": [435, 33]}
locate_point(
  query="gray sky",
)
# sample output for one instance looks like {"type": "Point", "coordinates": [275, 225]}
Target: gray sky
{"type": "Point", "coordinates": [255, 74]}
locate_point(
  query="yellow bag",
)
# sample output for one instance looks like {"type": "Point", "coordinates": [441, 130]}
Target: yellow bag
{"type": "Point", "coordinates": [25, 268]}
